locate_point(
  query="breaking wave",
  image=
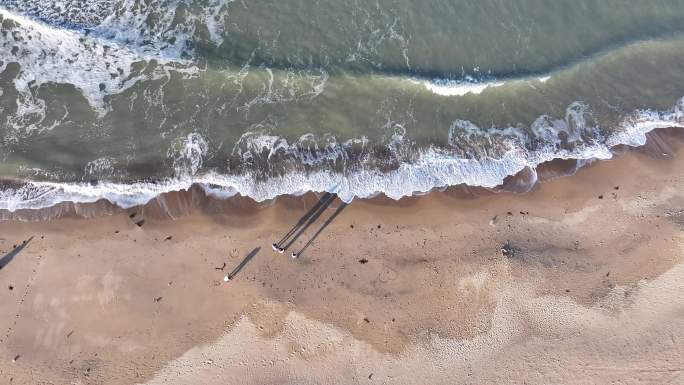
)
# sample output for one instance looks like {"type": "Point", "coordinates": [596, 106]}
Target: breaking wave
{"type": "Point", "coordinates": [101, 47]}
{"type": "Point", "coordinates": [475, 157]}
{"type": "Point", "coordinates": [470, 85]}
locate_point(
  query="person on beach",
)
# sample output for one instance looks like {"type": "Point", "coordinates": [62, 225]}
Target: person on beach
{"type": "Point", "coordinates": [303, 223]}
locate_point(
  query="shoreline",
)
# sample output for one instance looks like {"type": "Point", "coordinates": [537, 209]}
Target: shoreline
{"type": "Point", "coordinates": [490, 284]}
{"type": "Point", "coordinates": [175, 204]}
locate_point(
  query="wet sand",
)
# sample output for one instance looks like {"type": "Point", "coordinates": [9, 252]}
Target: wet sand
{"type": "Point", "coordinates": [579, 281]}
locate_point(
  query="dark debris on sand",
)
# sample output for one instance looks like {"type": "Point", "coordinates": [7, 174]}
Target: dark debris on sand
{"type": "Point", "coordinates": [509, 250]}
{"type": "Point", "coordinates": [676, 216]}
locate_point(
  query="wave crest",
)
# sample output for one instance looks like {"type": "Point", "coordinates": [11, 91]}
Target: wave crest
{"type": "Point", "coordinates": [433, 168]}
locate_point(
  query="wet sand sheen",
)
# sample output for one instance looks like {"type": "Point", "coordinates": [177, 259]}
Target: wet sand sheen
{"type": "Point", "coordinates": [584, 271]}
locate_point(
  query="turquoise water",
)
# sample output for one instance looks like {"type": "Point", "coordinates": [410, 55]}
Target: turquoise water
{"type": "Point", "coordinates": [126, 99]}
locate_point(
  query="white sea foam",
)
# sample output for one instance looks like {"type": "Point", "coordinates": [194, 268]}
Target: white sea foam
{"type": "Point", "coordinates": [288, 86]}
{"type": "Point", "coordinates": [446, 87]}
{"type": "Point", "coordinates": [69, 13]}
{"type": "Point", "coordinates": [53, 55]}
{"type": "Point", "coordinates": [176, 24]}
{"type": "Point", "coordinates": [188, 154]}
{"type": "Point", "coordinates": [98, 61]}
{"type": "Point", "coordinates": [470, 85]}
{"type": "Point", "coordinates": [433, 169]}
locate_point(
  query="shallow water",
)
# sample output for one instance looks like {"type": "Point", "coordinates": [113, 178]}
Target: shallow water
{"type": "Point", "coordinates": [126, 99]}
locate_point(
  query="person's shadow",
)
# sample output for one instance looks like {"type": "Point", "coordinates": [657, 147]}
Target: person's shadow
{"type": "Point", "coordinates": [242, 264]}
{"type": "Point", "coordinates": [4, 261]}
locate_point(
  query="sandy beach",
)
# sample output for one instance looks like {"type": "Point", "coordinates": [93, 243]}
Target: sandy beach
{"type": "Point", "coordinates": [580, 281]}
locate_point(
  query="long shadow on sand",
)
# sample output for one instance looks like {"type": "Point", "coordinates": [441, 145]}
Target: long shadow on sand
{"type": "Point", "coordinates": [307, 220]}
{"type": "Point", "coordinates": [4, 261]}
{"type": "Point", "coordinates": [323, 226]}
{"type": "Point", "coordinates": [242, 264]}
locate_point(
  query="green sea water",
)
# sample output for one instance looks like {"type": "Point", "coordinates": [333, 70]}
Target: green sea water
{"type": "Point", "coordinates": [126, 99]}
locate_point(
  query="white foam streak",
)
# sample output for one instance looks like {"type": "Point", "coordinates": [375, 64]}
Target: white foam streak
{"type": "Point", "coordinates": [470, 85]}
{"type": "Point", "coordinates": [433, 169]}
{"type": "Point", "coordinates": [49, 55]}
{"type": "Point", "coordinates": [459, 88]}
{"type": "Point", "coordinates": [99, 62]}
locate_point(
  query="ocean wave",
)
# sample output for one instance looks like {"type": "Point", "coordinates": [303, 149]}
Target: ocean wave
{"type": "Point", "coordinates": [467, 85]}
{"type": "Point", "coordinates": [470, 85]}
{"type": "Point", "coordinates": [67, 13]}
{"type": "Point", "coordinates": [102, 48]}
{"type": "Point", "coordinates": [517, 149]}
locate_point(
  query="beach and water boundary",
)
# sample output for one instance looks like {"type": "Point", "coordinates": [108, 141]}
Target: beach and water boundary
{"type": "Point", "coordinates": [494, 285]}
{"type": "Point", "coordinates": [179, 201]}
{"type": "Point", "coordinates": [341, 192]}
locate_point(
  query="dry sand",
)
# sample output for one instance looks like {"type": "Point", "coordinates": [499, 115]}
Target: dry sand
{"type": "Point", "coordinates": [555, 286]}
